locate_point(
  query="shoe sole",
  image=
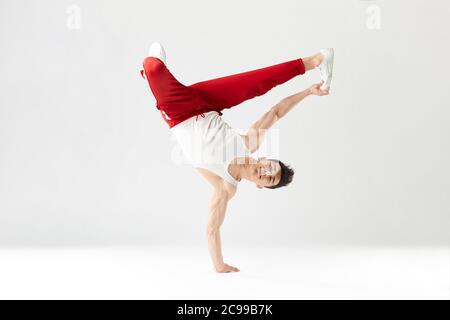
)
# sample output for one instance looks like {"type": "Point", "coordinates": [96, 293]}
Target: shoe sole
{"type": "Point", "coordinates": [331, 73]}
{"type": "Point", "coordinates": [156, 50]}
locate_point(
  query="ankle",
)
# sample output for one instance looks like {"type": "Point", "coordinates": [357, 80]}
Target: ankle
{"type": "Point", "coordinates": [318, 58]}
{"type": "Point", "coordinates": [312, 61]}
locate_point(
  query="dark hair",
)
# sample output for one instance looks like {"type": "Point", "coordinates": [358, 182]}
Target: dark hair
{"type": "Point", "coordinates": [287, 174]}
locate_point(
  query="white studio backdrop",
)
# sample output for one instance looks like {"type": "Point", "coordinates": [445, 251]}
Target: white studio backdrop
{"type": "Point", "coordinates": [86, 159]}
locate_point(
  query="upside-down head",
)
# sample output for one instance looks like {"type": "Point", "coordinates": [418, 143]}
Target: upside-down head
{"type": "Point", "coordinates": [271, 173]}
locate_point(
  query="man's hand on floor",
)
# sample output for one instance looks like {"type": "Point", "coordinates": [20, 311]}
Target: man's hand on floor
{"type": "Point", "coordinates": [225, 268]}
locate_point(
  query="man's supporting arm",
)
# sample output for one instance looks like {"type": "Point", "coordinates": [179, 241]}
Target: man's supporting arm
{"type": "Point", "coordinates": [216, 216]}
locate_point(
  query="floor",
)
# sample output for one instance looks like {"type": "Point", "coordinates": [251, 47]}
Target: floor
{"type": "Point", "coordinates": [171, 272]}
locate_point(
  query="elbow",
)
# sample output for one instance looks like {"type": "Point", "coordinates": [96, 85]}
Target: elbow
{"type": "Point", "coordinates": [275, 112]}
{"type": "Point", "coordinates": [211, 232]}
{"type": "Point", "coordinates": [221, 195]}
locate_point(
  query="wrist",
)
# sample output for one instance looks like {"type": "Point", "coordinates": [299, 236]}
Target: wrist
{"type": "Point", "coordinates": [220, 266]}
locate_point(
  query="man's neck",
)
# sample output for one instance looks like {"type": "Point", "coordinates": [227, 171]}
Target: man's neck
{"type": "Point", "coordinates": [238, 168]}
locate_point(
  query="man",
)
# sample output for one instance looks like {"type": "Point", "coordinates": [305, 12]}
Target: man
{"type": "Point", "coordinates": [220, 154]}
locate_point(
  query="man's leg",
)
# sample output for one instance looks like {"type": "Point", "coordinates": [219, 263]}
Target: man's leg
{"type": "Point", "coordinates": [226, 92]}
{"type": "Point", "coordinates": [164, 86]}
{"type": "Point", "coordinates": [173, 98]}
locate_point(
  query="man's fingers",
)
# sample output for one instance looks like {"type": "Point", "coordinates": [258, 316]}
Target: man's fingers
{"type": "Point", "coordinates": [325, 92]}
{"type": "Point", "coordinates": [233, 269]}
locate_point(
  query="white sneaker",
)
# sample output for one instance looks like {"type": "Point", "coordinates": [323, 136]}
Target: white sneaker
{"type": "Point", "coordinates": [326, 68]}
{"type": "Point", "coordinates": [157, 50]}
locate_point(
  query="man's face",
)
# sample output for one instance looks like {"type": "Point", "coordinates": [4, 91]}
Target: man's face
{"type": "Point", "coordinates": [266, 173]}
